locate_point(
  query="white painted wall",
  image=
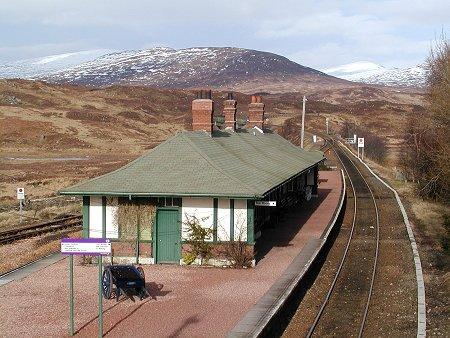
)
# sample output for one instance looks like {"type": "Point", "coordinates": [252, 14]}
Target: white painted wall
{"type": "Point", "coordinates": [95, 217]}
{"type": "Point", "coordinates": [112, 229]}
{"type": "Point", "coordinates": [240, 220]}
{"type": "Point", "coordinates": [223, 219]}
{"type": "Point", "coordinates": [202, 208]}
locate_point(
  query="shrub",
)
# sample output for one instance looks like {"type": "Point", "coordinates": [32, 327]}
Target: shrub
{"type": "Point", "coordinates": [198, 239]}
{"type": "Point", "coordinates": [188, 258]}
{"type": "Point", "coordinates": [238, 254]}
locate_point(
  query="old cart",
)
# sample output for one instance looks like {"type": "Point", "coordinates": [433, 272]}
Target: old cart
{"type": "Point", "coordinates": [127, 280]}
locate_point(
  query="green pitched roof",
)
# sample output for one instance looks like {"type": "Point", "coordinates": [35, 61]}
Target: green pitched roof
{"type": "Point", "coordinates": [192, 163]}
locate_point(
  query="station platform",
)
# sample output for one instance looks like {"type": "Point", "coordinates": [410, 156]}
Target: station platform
{"type": "Point", "coordinates": [185, 301]}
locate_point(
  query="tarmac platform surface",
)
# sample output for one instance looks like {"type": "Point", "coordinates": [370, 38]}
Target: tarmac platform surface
{"type": "Point", "coordinates": [185, 301]}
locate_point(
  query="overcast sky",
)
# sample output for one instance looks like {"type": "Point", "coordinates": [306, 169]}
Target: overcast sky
{"type": "Point", "coordinates": [317, 33]}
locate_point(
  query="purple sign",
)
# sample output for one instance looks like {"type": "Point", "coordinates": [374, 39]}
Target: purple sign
{"type": "Point", "coordinates": [86, 246]}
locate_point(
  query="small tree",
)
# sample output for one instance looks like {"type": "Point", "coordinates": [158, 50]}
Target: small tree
{"type": "Point", "coordinates": [198, 238]}
{"type": "Point", "coordinates": [427, 137]}
{"type": "Point", "coordinates": [235, 250]}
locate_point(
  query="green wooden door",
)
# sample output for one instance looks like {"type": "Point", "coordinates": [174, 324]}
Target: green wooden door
{"type": "Point", "coordinates": [168, 236]}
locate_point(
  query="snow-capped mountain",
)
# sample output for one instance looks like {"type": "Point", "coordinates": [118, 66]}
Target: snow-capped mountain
{"type": "Point", "coordinates": [356, 70]}
{"type": "Point", "coordinates": [371, 73]}
{"type": "Point", "coordinates": [32, 68]}
{"type": "Point", "coordinates": [184, 68]}
{"type": "Point", "coordinates": [238, 69]}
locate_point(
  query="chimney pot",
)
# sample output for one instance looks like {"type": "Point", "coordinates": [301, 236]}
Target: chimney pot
{"type": "Point", "coordinates": [229, 112]}
{"type": "Point", "coordinates": [256, 111]}
{"type": "Point", "coordinates": [203, 112]}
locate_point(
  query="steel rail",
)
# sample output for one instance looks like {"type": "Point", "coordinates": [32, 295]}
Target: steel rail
{"type": "Point", "coordinates": [38, 229]}
{"type": "Point", "coordinates": [324, 145]}
{"type": "Point", "coordinates": [344, 256]}
{"type": "Point", "coordinates": [372, 281]}
{"type": "Point", "coordinates": [39, 225]}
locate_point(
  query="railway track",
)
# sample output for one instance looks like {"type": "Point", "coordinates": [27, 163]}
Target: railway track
{"type": "Point", "coordinates": [326, 144]}
{"type": "Point", "coordinates": [39, 229]}
{"type": "Point", "coordinates": [347, 302]}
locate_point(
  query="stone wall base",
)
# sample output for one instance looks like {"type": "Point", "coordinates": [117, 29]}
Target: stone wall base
{"type": "Point", "coordinates": [123, 253]}
{"type": "Point", "coordinates": [216, 262]}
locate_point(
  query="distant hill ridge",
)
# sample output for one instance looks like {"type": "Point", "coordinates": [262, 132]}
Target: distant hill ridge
{"type": "Point", "coordinates": [218, 67]}
{"type": "Point", "coordinates": [240, 69]}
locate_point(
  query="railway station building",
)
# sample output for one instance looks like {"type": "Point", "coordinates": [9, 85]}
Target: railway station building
{"type": "Point", "coordinates": [222, 178]}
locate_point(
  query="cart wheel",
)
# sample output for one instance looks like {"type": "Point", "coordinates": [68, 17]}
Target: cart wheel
{"type": "Point", "coordinates": [107, 284]}
{"type": "Point", "coordinates": [141, 272]}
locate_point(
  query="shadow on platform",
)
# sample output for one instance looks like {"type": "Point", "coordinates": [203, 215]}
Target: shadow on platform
{"type": "Point", "coordinates": [290, 223]}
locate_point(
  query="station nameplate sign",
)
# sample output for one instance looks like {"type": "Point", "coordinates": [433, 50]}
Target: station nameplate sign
{"type": "Point", "coordinates": [266, 203]}
{"type": "Point", "coordinates": [20, 193]}
{"type": "Point", "coordinates": [86, 246]}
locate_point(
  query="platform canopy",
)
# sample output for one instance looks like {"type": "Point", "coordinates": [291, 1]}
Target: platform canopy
{"type": "Point", "coordinates": [241, 164]}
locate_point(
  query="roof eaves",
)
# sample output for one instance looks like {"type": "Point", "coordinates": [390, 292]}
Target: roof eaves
{"type": "Point", "coordinates": [290, 178]}
{"type": "Point", "coordinates": [146, 194]}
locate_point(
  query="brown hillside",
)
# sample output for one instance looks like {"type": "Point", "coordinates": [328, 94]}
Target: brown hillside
{"type": "Point", "coordinates": [55, 135]}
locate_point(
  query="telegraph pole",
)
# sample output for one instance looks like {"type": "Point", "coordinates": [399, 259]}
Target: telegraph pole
{"type": "Point", "coordinates": [302, 136]}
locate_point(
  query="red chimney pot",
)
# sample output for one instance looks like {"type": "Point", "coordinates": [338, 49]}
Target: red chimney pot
{"type": "Point", "coordinates": [203, 112]}
{"type": "Point", "coordinates": [229, 112]}
{"type": "Point", "coordinates": [256, 111]}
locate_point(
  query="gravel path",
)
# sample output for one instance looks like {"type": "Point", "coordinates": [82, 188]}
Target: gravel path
{"type": "Point", "coordinates": [185, 301]}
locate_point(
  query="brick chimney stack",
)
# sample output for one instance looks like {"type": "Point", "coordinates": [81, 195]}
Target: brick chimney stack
{"type": "Point", "coordinates": [203, 111]}
{"type": "Point", "coordinates": [256, 113]}
{"type": "Point", "coordinates": [229, 112]}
